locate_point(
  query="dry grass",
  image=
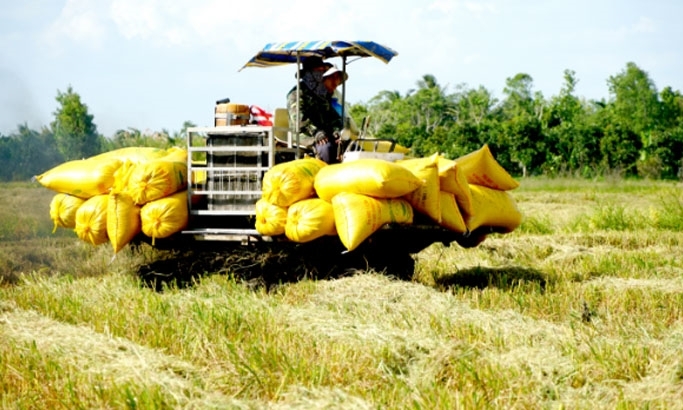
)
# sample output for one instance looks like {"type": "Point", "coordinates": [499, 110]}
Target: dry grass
{"type": "Point", "coordinates": [581, 307]}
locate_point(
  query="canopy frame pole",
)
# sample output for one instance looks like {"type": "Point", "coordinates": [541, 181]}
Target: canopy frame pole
{"type": "Point", "coordinates": [343, 94]}
{"type": "Point", "coordinates": [297, 122]}
{"type": "Point", "coordinates": [345, 122]}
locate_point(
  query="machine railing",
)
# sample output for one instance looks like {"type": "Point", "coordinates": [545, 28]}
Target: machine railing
{"type": "Point", "coordinates": [226, 165]}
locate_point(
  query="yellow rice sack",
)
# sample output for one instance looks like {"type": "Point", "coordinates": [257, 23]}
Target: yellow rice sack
{"type": "Point", "coordinates": [426, 198]}
{"type": "Point", "coordinates": [123, 220]}
{"type": "Point", "coordinates": [175, 154]}
{"type": "Point", "coordinates": [289, 182]}
{"type": "Point", "coordinates": [270, 219]}
{"type": "Point", "coordinates": [136, 155]}
{"type": "Point", "coordinates": [309, 219]}
{"type": "Point", "coordinates": [163, 217]}
{"type": "Point", "coordinates": [122, 175]}
{"type": "Point", "coordinates": [493, 208]}
{"type": "Point", "coordinates": [452, 179]}
{"type": "Point", "coordinates": [63, 209]}
{"type": "Point", "coordinates": [131, 166]}
{"type": "Point", "coordinates": [156, 179]}
{"type": "Point", "coordinates": [480, 168]}
{"type": "Point", "coordinates": [382, 146]}
{"type": "Point", "coordinates": [82, 178]}
{"type": "Point", "coordinates": [91, 220]}
{"type": "Point", "coordinates": [198, 174]}
{"type": "Point", "coordinates": [358, 216]}
{"type": "Point", "coordinates": [451, 218]}
{"type": "Point", "coordinates": [366, 176]}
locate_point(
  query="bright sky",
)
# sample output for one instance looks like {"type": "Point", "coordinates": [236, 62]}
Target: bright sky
{"type": "Point", "coordinates": [153, 64]}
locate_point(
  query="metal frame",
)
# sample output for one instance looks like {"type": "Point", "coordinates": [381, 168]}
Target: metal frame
{"type": "Point", "coordinates": [213, 171]}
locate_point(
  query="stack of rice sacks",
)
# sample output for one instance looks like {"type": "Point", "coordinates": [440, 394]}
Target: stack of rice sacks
{"type": "Point", "coordinates": [490, 203]}
{"type": "Point", "coordinates": [112, 197]}
{"type": "Point", "coordinates": [306, 199]}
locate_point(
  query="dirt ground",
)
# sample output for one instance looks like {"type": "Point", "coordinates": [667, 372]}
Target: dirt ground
{"type": "Point", "coordinates": [268, 265]}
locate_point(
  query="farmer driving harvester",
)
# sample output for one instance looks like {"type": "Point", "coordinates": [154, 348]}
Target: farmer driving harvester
{"type": "Point", "coordinates": [310, 58]}
{"type": "Point", "coordinates": [320, 122]}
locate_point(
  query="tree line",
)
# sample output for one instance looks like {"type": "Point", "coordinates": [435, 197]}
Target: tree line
{"type": "Point", "coordinates": [71, 135]}
{"type": "Point", "coordinates": [636, 132]}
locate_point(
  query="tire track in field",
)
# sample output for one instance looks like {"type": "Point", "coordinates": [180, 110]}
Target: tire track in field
{"type": "Point", "coordinates": [114, 358]}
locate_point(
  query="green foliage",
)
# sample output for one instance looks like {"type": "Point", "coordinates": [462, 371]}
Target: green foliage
{"type": "Point", "coordinates": [620, 148]}
{"type": "Point", "coordinates": [27, 153]}
{"type": "Point", "coordinates": [420, 119]}
{"type": "Point", "coordinates": [358, 112]}
{"type": "Point", "coordinates": [572, 144]}
{"type": "Point", "coordinates": [74, 129]}
{"type": "Point", "coordinates": [524, 142]}
{"type": "Point", "coordinates": [671, 109]}
{"type": "Point", "coordinates": [518, 90]}
{"type": "Point", "coordinates": [135, 138]}
{"type": "Point", "coordinates": [634, 99]}
{"type": "Point", "coordinates": [663, 157]}
{"type": "Point", "coordinates": [637, 132]}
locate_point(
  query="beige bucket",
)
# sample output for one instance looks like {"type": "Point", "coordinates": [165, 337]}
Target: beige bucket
{"type": "Point", "coordinates": [231, 114]}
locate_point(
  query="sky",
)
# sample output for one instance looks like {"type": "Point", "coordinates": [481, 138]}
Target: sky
{"type": "Point", "coordinates": [151, 65]}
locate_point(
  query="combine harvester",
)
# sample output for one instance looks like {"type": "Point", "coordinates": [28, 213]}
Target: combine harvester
{"type": "Point", "coordinates": [252, 190]}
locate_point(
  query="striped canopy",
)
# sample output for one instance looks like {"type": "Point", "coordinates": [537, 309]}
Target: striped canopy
{"type": "Point", "coordinates": [286, 53]}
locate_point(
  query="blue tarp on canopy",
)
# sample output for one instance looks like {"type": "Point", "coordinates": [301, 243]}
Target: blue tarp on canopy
{"type": "Point", "coordinates": [286, 53]}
